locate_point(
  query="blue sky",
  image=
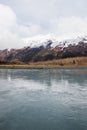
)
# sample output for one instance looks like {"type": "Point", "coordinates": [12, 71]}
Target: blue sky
{"type": "Point", "coordinates": [22, 19]}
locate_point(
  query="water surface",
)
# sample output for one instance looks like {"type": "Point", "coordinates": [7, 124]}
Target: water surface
{"type": "Point", "coordinates": [50, 99]}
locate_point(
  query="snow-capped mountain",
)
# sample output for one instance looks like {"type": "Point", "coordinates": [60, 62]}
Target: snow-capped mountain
{"type": "Point", "coordinates": [46, 48]}
{"type": "Point", "coordinates": [43, 41]}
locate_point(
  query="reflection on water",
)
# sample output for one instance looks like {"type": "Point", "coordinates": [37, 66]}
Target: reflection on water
{"type": "Point", "coordinates": [50, 99]}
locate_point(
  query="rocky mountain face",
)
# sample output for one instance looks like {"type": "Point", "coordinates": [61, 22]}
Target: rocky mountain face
{"type": "Point", "coordinates": [48, 50]}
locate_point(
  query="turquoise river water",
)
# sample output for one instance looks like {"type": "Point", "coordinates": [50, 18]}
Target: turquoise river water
{"type": "Point", "coordinates": [43, 99]}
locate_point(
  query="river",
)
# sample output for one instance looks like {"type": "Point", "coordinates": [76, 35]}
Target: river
{"type": "Point", "coordinates": [43, 99]}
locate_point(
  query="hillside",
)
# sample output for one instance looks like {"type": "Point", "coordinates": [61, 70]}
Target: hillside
{"type": "Point", "coordinates": [49, 49]}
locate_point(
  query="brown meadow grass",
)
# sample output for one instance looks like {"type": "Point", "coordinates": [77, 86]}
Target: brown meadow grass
{"type": "Point", "coordinates": [71, 62]}
{"type": "Point", "coordinates": [76, 61]}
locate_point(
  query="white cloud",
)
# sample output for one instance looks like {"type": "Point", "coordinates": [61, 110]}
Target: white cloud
{"type": "Point", "coordinates": [12, 32]}
{"type": "Point", "coordinates": [7, 23]}
{"type": "Point", "coordinates": [69, 26]}
{"type": "Point", "coordinates": [7, 17]}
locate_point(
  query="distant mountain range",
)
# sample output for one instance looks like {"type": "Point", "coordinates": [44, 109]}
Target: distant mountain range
{"type": "Point", "coordinates": [47, 49]}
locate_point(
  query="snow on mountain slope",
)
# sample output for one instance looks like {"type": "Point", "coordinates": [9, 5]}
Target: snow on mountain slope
{"type": "Point", "coordinates": [44, 41]}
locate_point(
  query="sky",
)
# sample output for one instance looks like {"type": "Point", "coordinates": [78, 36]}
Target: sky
{"type": "Point", "coordinates": [36, 19]}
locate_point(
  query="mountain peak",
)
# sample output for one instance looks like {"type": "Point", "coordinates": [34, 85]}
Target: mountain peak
{"type": "Point", "coordinates": [55, 41]}
{"type": "Point", "coordinates": [46, 49]}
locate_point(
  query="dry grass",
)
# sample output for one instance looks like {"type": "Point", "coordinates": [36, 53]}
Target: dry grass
{"type": "Point", "coordinates": [77, 61]}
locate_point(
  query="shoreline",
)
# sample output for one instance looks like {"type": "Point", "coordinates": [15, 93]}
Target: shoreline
{"type": "Point", "coordinates": [40, 67]}
{"type": "Point", "coordinates": [76, 62]}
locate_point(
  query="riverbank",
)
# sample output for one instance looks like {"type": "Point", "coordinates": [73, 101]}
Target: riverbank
{"type": "Point", "coordinates": [77, 62]}
{"type": "Point", "coordinates": [35, 67]}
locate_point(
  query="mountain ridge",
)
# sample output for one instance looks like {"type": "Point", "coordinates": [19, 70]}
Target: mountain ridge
{"type": "Point", "coordinates": [49, 49]}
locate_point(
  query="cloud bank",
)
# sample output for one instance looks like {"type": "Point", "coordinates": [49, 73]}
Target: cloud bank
{"type": "Point", "coordinates": [13, 33]}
